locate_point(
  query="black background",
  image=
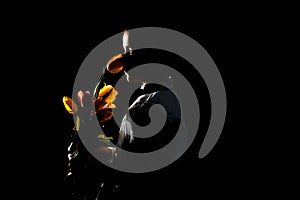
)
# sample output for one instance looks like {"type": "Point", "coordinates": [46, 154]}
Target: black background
{"type": "Point", "coordinates": [49, 49]}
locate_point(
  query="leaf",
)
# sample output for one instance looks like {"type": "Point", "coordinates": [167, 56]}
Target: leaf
{"type": "Point", "coordinates": [77, 123]}
{"type": "Point", "coordinates": [103, 137]}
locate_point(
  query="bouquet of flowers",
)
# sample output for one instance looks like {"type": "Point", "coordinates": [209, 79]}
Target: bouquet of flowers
{"type": "Point", "coordinates": [86, 178]}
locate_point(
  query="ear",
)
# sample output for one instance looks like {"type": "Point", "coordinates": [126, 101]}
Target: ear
{"type": "Point", "coordinates": [70, 105]}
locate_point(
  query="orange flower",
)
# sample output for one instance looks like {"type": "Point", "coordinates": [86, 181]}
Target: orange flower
{"type": "Point", "coordinates": [104, 115]}
{"type": "Point", "coordinates": [115, 64]}
{"type": "Point", "coordinates": [70, 105]}
{"type": "Point", "coordinates": [85, 100]}
{"type": "Point", "coordinates": [103, 103]}
{"type": "Point", "coordinates": [106, 97]}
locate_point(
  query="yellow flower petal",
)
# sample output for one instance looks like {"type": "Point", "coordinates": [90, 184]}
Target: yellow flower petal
{"type": "Point", "coordinates": [111, 106]}
{"type": "Point", "coordinates": [112, 96]}
{"type": "Point", "coordinates": [70, 105]}
{"type": "Point", "coordinates": [105, 90]}
{"type": "Point", "coordinates": [110, 91]}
